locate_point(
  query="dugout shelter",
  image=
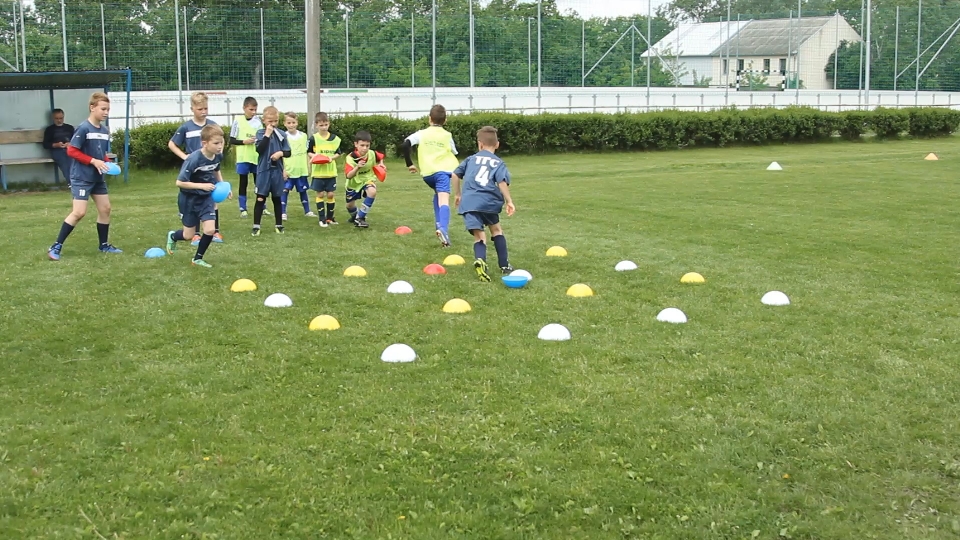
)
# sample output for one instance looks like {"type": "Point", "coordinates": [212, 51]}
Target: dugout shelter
{"type": "Point", "coordinates": [26, 99]}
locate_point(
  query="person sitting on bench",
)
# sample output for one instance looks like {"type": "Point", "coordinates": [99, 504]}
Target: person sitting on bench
{"type": "Point", "coordinates": [56, 138]}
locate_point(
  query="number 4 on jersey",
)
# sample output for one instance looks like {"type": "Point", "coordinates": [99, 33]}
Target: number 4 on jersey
{"type": "Point", "coordinates": [483, 176]}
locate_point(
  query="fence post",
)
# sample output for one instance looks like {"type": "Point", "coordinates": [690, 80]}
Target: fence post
{"type": "Point", "coordinates": [473, 50]}
{"type": "Point", "coordinates": [633, 52]}
{"type": "Point", "coordinates": [413, 59]}
{"type": "Point", "coordinates": [346, 19]}
{"type": "Point", "coordinates": [186, 48]}
{"type": "Point", "coordinates": [312, 13]}
{"type": "Point", "coordinates": [263, 56]}
{"type": "Point", "coordinates": [176, 23]}
{"type": "Point", "coordinates": [433, 32]}
{"type": "Point", "coordinates": [63, 27]}
{"type": "Point", "coordinates": [866, 76]}
{"type": "Point", "coordinates": [796, 83]}
{"type": "Point", "coordinates": [103, 37]}
{"type": "Point", "coordinates": [23, 37]}
{"type": "Point", "coordinates": [836, 49]}
{"type": "Point", "coordinates": [539, 52]}
{"type": "Point", "coordinates": [529, 57]}
{"type": "Point", "coordinates": [916, 90]}
{"type": "Point", "coordinates": [583, 52]}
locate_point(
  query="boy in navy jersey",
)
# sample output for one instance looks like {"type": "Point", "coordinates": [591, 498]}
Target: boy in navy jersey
{"type": "Point", "coordinates": [198, 178]}
{"type": "Point", "coordinates": [188, 136]}
{"type": "Point", "coordinates": [272, 147]}
{"type": "Point", "coordinates": [486, 182]}
{"type": "Point", "coordinates": [88, 148]}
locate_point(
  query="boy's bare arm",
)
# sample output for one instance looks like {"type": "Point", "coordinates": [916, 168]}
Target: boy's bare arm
{"type": "Point", "coordinates": [195, 185]}
{"type": "Point", "coordinates": [176, 150]}
{"type": "Point", "coordinates": [505, 190]}
{"type": "Point", "coordinates": [455, 188]}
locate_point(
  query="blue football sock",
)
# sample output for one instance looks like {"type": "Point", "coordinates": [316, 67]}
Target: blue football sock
{"type": "Point", "coordinates": [243, 202]}
{"type": "Point", "coordinates": [444, 218]}
{"type": "Point", "coordinates": [283, 202]}
{"type": "Point", "coordinates": [436, 210]}
{"type": "Point", "coordinates": [480, 250]}
{"type": "Point", "coordinates": [500, 243]}
{"type": "Point", "coordinates": [365, 207]}
{"type": "Point", "coordinates": [305, 201]}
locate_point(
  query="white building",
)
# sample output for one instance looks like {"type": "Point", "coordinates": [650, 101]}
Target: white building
{"type": "Point", "coordinates": [773, 48]}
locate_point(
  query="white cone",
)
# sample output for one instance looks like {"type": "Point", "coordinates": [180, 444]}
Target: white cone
{"type": "Point", "coordinates": [624, 266]}
{"type": "Point", "coordinates": [554, 332]}
{"type": "Point", "coordinates": [398, 353]}
{"type": "Point", "coordinates": [400, 287]}
{"type": "Point", "coordinates": [775, 298]}
{"type": "Point", "coordinates": [278, 300]}
{"type": "Point", "coordinates": [522, 273]}
{"type": "Point", "coordinates": [672, 315]}
{"type": "Point", "coordinates": [774, 167]}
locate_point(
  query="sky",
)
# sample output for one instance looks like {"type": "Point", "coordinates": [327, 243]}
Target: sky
{"type": "Point", "coordinates": [609, 8]}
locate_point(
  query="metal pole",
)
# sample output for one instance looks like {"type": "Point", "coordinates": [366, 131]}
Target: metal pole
{"type": "Point", "coordinates": [583, 52]}
{"type": "Point", "coordinates": [23, 37]}
{"type": "Point", "coordinates": [866, 91]}
{"type": "Point", "coordinates": [860, 83]}
{"type": "Point", "coordinates": [836, 54]}
{"type": "Point", "coordinates": [916, 90]}
{"type": "Point", "coordinates": [896, 50]}
{"type": "Point", "coordinates": [16, 35]}
{"type": "Point", "coordinates": [263, 56]}
{"type": "Point", "coordinates": [103, 37]}
{"type": "Point", "coordinates": [473, 51]}
{"type": "Point", "coordinates": [176, 23]}
{"type": "Point", "coordinates": [799, 25]}
{"type": "Point", "coordinates": [63, 26]}
{"type": "Point", "coordinates": [529, 56]}
{"type": "Point", "coordinates": [539, 50]}
{"type": "Point", "coordinates": [726, 73]}
{"type": "Point", "coordinates": [312, 13]}
{"type": "Point", "coordinates": [633, 52]}
{"type": "Point", "coordinates": [738, 53]}
{"type": "Point", "coordinates": [433, 63]}
{"type": "Point", "coordinates": [413, 60]}
{"type": "Point", "coordinates": [649, 49]}
{"type": "Point", "coordinates": [186, 48]}
{"type": "Point", "coordinates": [346, 19]}
{"type": "Point", "coordinates": [789, 47]}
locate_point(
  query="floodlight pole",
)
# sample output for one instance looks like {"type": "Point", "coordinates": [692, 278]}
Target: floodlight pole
{"type": "Point", "coordinates": [176, 24]}
{"type": "Point", "coordinates": [346, 19]}
{"type": "Point", "coordinates": [312, 12]}
{"type": "Point", "coordinates": [473, 51]}
{"type": "Point", "coordinates": [866, 77]}
{"type": "Point", "coordinates": [186, 48]}
{"type": "Point", "coordinates": [63, 27]}
{"type": "Point", "coordinates": [539, 55]}
{"type": "Point", "coordinates": [796, 83]}
{"type": "Point", "coordinates": [649, 48]}
{"type": "Point", "coordinates": [433, 40]}
{"type": "Point", "coordinates": [896, 51]}
{"type": "Point", "coordinates": [916, 89]}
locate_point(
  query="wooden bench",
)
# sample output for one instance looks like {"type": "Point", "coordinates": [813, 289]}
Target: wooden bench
{"type": "Point", "coordinates": [20, 136]}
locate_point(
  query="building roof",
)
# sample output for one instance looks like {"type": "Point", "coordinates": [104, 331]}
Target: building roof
{"type": "Point", "coordinates": [773, 37]}
{"type": "Point", "coordinates": [58, 80]}
{"type": "Point", "coordinates": [764, 37]}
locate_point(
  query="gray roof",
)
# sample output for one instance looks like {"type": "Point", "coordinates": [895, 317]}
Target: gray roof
{"type": "Point", "coordinates": [54, 80]}
{"type": "Point", "coordinates": [773, 37]}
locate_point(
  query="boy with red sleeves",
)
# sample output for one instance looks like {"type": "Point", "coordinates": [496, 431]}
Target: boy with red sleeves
{"type": "Point", "coordinates": [88, 148]}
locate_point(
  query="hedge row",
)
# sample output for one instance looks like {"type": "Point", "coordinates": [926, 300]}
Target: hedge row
{"type": "Point", "coordinates": [535, 134]}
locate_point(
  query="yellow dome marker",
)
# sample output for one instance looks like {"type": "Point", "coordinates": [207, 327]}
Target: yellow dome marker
{"type": "Point", "coordinates": [456, 306]}
{"type": "Point", "coordinates": [453, 260]}
{"type": "Point", "coordinates": [931, 157]}
{"type": "Point", "coordinates": [243, 285]}
{"type": "Point", "coordinates": [579, 290]}
{"type": "Point", "coordinates": [324, 322]}
{"type": "Point", "coordinates": [355, 271]}
{"type": "Point", "coordinates": [556, 251]}
{"type": "Point", "coordinates": [692, 277]}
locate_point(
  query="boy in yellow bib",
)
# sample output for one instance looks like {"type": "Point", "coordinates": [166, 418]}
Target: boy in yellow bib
{"type": "Point", "coordinates": [324, 175]}
{"type": "Point", "coordinates": [361, 182]}
{"type": "Point", "coordinates": [437, 156]}
{"type": "Point", "coordinates": [295, 167]}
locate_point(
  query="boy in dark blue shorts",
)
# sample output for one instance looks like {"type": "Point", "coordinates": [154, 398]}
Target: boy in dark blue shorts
{"type": "Point", "coordinates": [198, 177]}
{"type": "Point", "coordinates": [486, 182]}
{"type": "Point", "coordinates": [88, 148]}
{"type": "Point", "coordinates": [272, 147]}
{"type": "Point", "coordinates": [188, 136]}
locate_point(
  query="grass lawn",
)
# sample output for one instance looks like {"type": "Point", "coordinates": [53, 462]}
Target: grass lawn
{"type": "Point", "coordinates": [140, 398]}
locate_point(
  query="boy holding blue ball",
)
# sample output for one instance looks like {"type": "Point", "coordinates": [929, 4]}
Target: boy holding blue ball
{"type": "Point", "coordinates": [198, 177]}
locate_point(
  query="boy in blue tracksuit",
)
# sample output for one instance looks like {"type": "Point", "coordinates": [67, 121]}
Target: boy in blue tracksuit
{"type": "Point", "coordinates": [272, 147]}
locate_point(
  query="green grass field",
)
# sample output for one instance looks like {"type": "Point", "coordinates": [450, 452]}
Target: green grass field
{"type": "Point", "coordinates": [140, 398]}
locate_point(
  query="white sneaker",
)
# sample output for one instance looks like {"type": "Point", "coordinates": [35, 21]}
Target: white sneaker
{"type": "Point", "coordinates": [310, 214]}
{"type": "Point", "coordinates": [323, 224]}
{"type": "Point", "coordinates": [267, 212]}
{"type": "Point", "coordinates": [283, 217]}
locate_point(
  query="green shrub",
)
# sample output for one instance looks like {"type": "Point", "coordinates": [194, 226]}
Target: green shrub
{"type": "Point", "coordinates": [598, 132]}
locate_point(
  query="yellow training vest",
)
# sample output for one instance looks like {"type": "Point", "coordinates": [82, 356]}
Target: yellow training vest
{"type": "Point", "coordinates": [329, 149]}
{"type": "Point", "coordinates": [435, 151]}
{"type": "Point", "coordinates": [246, 153]}
{"type": "Point", "coordinates": [296, 164]}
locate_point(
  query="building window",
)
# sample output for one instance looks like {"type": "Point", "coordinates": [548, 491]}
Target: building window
{"type": "Point", "coordinates": [740, 64]}
{"type": "Point", "coordinates": [766, 65]}
{"type": "Point", "coordinates": [783, 66]}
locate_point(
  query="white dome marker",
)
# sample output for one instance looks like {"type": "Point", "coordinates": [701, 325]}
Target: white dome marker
{"type": "Point", "coordinates": [775, 298]}
{"type": "Point", "coordinates": [672, 315]}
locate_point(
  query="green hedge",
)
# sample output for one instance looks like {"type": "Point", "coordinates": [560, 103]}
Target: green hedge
{"type": "Point", "coordinates": [536, 134]}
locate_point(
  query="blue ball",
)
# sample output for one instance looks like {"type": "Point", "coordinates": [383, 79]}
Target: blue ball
{"type": "Point", "coordinates": [113, 169]}
{"type": "Point", "coordinates": [154, 253]}
{"type": "Point", "coordinates": [514, 282]}
{"type": "Point", "coordinates": [221, 192]}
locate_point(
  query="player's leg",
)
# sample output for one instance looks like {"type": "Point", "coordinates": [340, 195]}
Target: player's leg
{"type": "Point", "coordinates": [331, 203]}
{"type": "Point", "coordinates": [500, 244]}
{"type": "Point", "coordinates": [304, 198]}
{"type": "Point", "coordinates": [474, 225]}
{"type": "Point", "coordinates": [369, 197]}
{"type": "Point", "coordinates": [79, 209]}
{"type": "Point", "coordinates": [243, 170]}
{"type": "Point", "coordinates": [287, 186]}
{"type": "Point", "coordinates": [265, 211]}
{"type": "Point", "coordinates": [352, 198]}
{"type": "Point", "coordinates": [258, 207]}
{"type": "Point", "coordinates": [102, 202]}
{"type": "Point", "coordinates": [276, 194]}
{"type": "Point", "coordinates": [217, 237]}
{"type": "Point", "coordinates": [443, 207]}
{"type": "Point", "coordinates": [186, 219]}
{"type": "Point", "coordinates": [205, 213]}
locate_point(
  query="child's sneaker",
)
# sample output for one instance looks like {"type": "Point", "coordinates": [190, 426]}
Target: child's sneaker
{"type": "Point", "coordinates": [283, 217]}
{"type": "Point", "coordinates": [310, 214]}
{"type": "Point", "coordinates": [332, 222]}
{"type": "Point", "coordinates": [243, 213]}
{"type": "Point", "coordinates": [267, 212]}
{"type": "Point", "coordinates": [444, 239]}
{"type": "Point", "coordinates": [279, 229]}
{"type": "Point", "coordinates": [255, 232]}
{"type": "Point", "coordinates": [54, 251]}
{"type": "Point", "coordinates": [196, 240]}
{"type": "Point", "coordinates": [171, 245]}
{"type": "Point", "coordinates": [506, 269]}
{"type": "Point", "coordinates": [352, 220]}
{"type": "Point", "coordinates": [217, 237]}
{"type": "Point", "coordinates": [361, 223]}
{"type": "Point", "coordinates": [201, 263]}
{"type": "Point", "coordinates": [323, 223]}
{"type": "Point", "coordinates": [109, 248]}
{"type": "Point", "coordinates": [480, 266]}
